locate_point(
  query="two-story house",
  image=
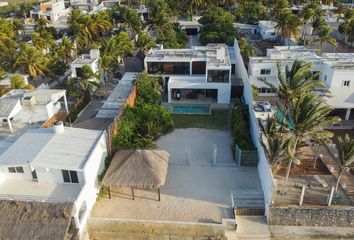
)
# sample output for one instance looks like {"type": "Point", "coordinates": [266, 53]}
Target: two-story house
{"type": "Point", "coordinates": [54, 11]}
{"type": "Point", "coordinates": [335, 69]}
{"type": "Point", "coordinates": [86, 5]}
{"type": "Point", "coordinates": [199, 74]}
{"type": "Point", "coordinates": [58, 164]}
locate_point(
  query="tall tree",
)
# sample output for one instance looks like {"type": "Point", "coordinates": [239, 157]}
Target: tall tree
{"type": "Point", "coordinates": [324, 36]}
{"type": "Point", "coordinates": [145, 42]}
{"type": "Point", "coordinates": [345, 156]}
{"type": "Point", "coordinates": [128, 19]}
{"type": "Point", "coordinates": [274, 141]}
{"type": "Point", "coordinates": [288, 24]}
{"type": "Point", "coordinates": [32, 61]}
{"type": "Point", "coordinates": [309, 116]}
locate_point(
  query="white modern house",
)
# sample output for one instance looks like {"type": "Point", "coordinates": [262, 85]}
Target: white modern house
{"type": "Point", "coordinates": [23, 107]}
{"type": "Point", "coordinates": [57, 164]}
{"type": "Point", "coordinates": [86, 5]}
{"type": "Point", "coordinates": [200, 74]}
{"type": "Point", "coordinates": [3, 4]}
{"type": "Point", "coordinates": [54, 11]}
{"type": "Point", "coordinates": [267, 29]}
{"type": "Point", "coordinates": [335, 69]}
{"type": "Point", "coordinates": [91, 60]}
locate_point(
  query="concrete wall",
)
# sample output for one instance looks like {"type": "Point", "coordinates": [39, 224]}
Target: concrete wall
{"type": "Point", "coordinates": [93, 167]}
{"type": "Point", "coordinates": [312, 216]}
{"type": "Point", "coordinates": [107, 228]}
{"type": "Point", "coordinates": [264, 171]}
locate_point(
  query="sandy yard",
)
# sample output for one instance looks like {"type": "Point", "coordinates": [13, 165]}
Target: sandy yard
{"type": "Point", "coordinates": [198, 192]}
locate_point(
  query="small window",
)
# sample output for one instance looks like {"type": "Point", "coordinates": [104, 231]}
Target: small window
{"type": "Point", "coordinates": [16, 169]}
{"type": "Point", "coordinates": [325, 78]}
{"type": "Point", "coordinates": [346, 83]}
{"type": "Point", "coordinates": [70, 176]}
{"type": "Point", "coordinates": [265, 71]}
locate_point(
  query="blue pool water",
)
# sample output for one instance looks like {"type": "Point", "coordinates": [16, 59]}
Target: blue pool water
{"type": "Point", "coordinates": [191, 109]}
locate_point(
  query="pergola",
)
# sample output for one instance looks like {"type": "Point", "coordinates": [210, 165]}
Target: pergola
{"type": "Point", "coordinates": [137, 169]}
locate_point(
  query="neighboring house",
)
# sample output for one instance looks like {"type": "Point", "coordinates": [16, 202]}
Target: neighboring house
{"type": "Point", "coordinates": [91, 59]}
{"type": "Point", "coordinates": [20, 107]}
{"type": "Point", "coordinates": [58, 164]}
{"type": "Point", "coordinates": [199, 74]}
{"type": "Point", "coordinates": [54, 11]}
{"type": "Point", "coordinates": [104, 5]}
{"type": "Point", "coordinates": [335, 69]}
{"type": "Point", "coordinates": [192, 27]}
{"type": "Point", "coordinates": [86, 5]}
{"type": "Point", "coordinates": [3, 4]}
{"type": "Point", "coordinates": [267, 30]}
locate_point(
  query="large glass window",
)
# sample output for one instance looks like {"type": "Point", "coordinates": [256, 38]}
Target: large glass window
{"type": "Point", "coordinates": [198, 67]}
{"type": "Point", "coordinates": [218, 76]}
{"type": "Point", "coordinates": [70, 176]}
{"type": "Point", "coordinates": [265, 71]}
{"type": "Point", "coordinates": [168, 67]}
{"type": "Point", "coordinates": [154, 67]}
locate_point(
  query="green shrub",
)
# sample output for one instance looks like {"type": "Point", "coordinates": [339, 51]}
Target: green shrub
{"type": "Point", "coordinates": [240, 127]}
{"type": "Point", "coordinates": [74, 112]}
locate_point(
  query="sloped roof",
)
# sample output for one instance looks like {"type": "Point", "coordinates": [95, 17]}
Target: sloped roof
{"type": "Point", "coordinates": [7, 105]}
{"type": "Point", "coordinates": [137, 169]}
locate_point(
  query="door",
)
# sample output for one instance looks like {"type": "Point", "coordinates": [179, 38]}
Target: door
{"type": "Point", "coordinates": [34, 175]}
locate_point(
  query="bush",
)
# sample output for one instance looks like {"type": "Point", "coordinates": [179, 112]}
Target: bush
{"type": "Point", "coordinates": [240, 126]}
{"type": "Point", "coordinates": [143, 123]}
{"type": "Point", "coordinates": [74, 112]}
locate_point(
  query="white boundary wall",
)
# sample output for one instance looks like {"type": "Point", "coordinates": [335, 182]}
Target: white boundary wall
{"type": "Point", "coordinates": [264, 169]}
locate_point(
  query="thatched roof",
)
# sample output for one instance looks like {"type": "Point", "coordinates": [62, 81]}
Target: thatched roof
{"type": "Point", "coordinates": [34, 220]}
{"type": "Point", "coordinates": [137, 169]}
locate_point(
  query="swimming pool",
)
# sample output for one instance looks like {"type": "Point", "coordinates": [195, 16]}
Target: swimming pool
{"type": "Point", "coordinates": [190, 109]}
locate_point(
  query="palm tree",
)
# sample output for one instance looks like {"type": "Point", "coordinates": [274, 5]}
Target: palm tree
{"type": "Point", "coordinates": [145, 42]}
{"type": "Point", "coordinates": [309, 117]}
{"type": "Point", "coordinates": [159, 19]}
{"type": "Point", "coordinates": [31, 61]}
{"type": "Point", "coordinates": [288, 24]}
{"type": "Point", "coordinates": [66, 49]}
{"type": "Point", "coordinates": [38, 42]}
{"type": "Point", "coordinates": [297, 80]}
{"type": "Point", "coordinates": [88, 80]}
{"type": "Point", "coordinates": [41, 25]}
{"type": "Point", "coordinates": [274, 141]}
{"type": "Point", "coordinates": [325, 36]}
{"type": "Point", "coordinates": [345, 156]}
{"type": "Point", "coordinates": [75, 19]}
{"type": "Point", "coordinates": [348, 16]}
{"type": "Point", "coordinates": [128, 18]}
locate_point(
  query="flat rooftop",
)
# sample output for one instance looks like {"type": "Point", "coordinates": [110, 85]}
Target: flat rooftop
{"type": "Point", "coordinates": [198, 192]}
{"type": "Point", "coordinates": [118, 96]}
{"type": "Point", "coordinates": [84, 59]}
{"type": "Point", "coordinates": [14, 189]}
{"type": "Point", "coordinates": [215, 55]}
{"type": "Point", "coordinates": [43, 148]}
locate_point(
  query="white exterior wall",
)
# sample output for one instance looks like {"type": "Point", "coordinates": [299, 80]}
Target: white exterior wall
{"type": "Point", "coordinates": [264, 170]}
{"type": "Point", "coordinates": [93, 167]}
{"type": "Point", "coordinates": [266, 32]}
{"type": "Point", "coordinates": [93, 66]}
{"type": "Point", "coordinates": [26, 175]}
{"type": "Point", "coordinates": [37, 113]}
{"type": "Point", "coordinates": [45, 175]}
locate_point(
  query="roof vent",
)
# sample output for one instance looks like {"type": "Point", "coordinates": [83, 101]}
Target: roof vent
{"type": "Point", "coordinates": [58, 127]}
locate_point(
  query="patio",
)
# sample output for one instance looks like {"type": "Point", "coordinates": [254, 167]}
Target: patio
{"type": "Point", "coordinates": [194, 192]}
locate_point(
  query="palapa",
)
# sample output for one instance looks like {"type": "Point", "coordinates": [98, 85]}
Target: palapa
{"type": "Point", "coordinates": [137, 169]}
{"type": "Point", "coordinates": [34, 220]}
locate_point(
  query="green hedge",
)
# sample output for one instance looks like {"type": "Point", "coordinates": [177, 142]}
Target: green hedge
{"type": "Point", "coordinates": [74, 112]}
{"type": "Point", "coordinates": [240, 127]}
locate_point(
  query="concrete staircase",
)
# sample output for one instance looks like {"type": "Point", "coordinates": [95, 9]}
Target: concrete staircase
{"type": "Point", "coordinates": [248, 202]}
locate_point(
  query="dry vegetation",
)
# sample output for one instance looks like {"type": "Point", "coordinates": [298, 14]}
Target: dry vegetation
{"type": "Point", "coordinates": [34, 220]}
